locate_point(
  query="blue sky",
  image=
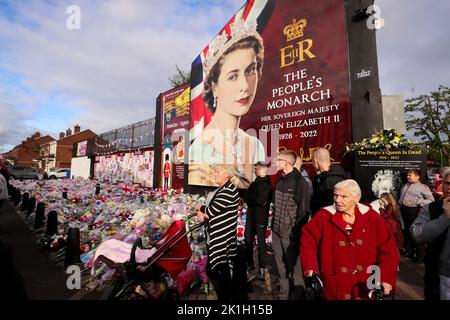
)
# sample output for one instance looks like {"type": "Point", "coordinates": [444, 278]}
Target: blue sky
{"type": "Point", "coordinates": [52, 78]}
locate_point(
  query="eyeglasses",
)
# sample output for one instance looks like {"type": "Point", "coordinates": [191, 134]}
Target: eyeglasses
{"type": "Point", "coordinates": [278, 160]}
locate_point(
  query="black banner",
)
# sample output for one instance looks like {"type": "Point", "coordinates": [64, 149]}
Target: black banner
{"type": "Point", "coordinates": [379, 171]}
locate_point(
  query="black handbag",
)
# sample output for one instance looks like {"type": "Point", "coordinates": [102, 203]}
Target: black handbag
{"type": "Point", "coordinates": [314, 288]}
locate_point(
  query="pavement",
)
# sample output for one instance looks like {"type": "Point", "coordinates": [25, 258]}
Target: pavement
{"type": "Point", "coordinates": [43, 280]}
{"type": "Point", "coordinates": [46, 280]}
{"type": "Point", "coordinates": [409, 283]}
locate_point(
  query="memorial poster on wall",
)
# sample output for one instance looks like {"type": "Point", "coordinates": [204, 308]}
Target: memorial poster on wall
{"type": "Point", "coordinates": [382, 171]}
{"type": "Point", "coordinates": [175, 121]}
{"type": "Point", "coordinates": [130, 167]}
{"type": "Point", "coordinates": [81, 149]}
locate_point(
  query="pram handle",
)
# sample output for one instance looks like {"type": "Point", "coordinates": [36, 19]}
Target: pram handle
{"type": "Point", "coordinates": [189, 217]}
{"type": "Point", "coordinates": [136, 244]}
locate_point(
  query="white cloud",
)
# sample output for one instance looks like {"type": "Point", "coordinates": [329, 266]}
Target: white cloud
{"type": "Point", "coordinates": [111, 71]}
{"type": "Point", "coordinates": [413, 47]}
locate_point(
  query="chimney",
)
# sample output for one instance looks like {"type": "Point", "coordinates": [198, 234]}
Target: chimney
{"type": "Point", "coordinates": [68, 132]}
{"type": "Point", "coordinates": [76, 129]}
{"type": "Point", "coordinates": [61, 135]}
{"type": "Point", "coordinates": [37, 135]}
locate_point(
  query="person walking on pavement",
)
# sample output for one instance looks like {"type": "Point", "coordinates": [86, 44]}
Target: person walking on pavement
{"type": "Point", "coordinates": [324, 182]}
{"type": "Point", "coordinates": [291, 205]}
{"type": "Point", "coordinates": [343, 240]}
{"type": "Point", "coordinates": [413, 196]}
{"type": "Point", "coordinates": [258, 199]}
{"type": "Point", "coordinates": [431, 227]}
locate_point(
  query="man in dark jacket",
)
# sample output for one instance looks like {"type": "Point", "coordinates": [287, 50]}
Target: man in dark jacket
{"type": "Point", "coordinates": [298, 165]}
{"type": "Point", "coordinates": [291, 204]}
{"type": "Point", "coordinates": [324, 182]}
{"type": "Point", "coordinates": [431, 227]}
{"type": "Point", "coordinates": [258, 199]}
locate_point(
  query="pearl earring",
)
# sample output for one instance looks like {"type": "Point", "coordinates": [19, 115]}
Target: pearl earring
{"type": "Point", "coordinates": [215, 103]}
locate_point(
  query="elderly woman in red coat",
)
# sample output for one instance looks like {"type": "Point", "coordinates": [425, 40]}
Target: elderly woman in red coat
{"type": "Point", "coordinates": [341, 243]}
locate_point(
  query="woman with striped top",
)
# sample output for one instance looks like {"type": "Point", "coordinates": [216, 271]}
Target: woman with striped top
{"type": "Point", "coordinates": [221, 211]}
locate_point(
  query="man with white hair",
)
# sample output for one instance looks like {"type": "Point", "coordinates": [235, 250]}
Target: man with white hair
{"type": "Point", "coordinates": [431, 227]}
{"type": "Point", "coordinates": [343, 240]}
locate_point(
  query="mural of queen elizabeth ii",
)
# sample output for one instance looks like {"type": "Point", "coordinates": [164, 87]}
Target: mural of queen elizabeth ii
{"type": "Point", "coordinates": [232, 68]}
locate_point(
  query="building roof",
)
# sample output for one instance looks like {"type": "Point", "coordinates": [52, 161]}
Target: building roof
{"type": "Point", "coordinates": [30, 140]}
{"type": "Point", "coordinates": [44, 140]}
{"type": "Point", "coordinates": [76, 137]}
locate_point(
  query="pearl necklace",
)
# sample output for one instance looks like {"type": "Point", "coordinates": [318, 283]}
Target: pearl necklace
{"type": "Point", "coordinates": [235, 148]}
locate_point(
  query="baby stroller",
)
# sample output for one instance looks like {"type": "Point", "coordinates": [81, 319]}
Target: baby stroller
{"type": "Point", "coordinates": [171, 257]}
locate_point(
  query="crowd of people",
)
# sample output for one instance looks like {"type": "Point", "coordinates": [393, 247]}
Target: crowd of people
{"type": "Point", "coordinates": [320, 229]}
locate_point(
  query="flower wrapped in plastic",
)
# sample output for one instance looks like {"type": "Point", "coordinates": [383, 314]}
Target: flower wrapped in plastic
{"type": "Point", "coordinates": [384, 140]}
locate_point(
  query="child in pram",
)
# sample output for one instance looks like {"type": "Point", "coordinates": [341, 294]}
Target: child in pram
{"type": "Point", "coordinates": [138, 266]}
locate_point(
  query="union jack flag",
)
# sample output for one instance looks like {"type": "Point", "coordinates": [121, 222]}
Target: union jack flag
{"type": "Point", "coordinates": [259, 10]}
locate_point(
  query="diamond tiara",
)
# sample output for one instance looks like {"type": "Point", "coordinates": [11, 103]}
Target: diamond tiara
{"type": "Point", "coordinates": [240, 29]}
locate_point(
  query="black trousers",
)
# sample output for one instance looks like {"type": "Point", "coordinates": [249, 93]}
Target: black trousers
{"type": "Point", "coordinates": [252, 228]}
{"type": "Point", "coordinates": [409, 214]}
{"type": "Point", "coordinates": [220, 278]}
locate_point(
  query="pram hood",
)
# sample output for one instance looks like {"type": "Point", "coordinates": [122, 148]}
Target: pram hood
{"type": "Point", "coordinates": [177, 257]}
{"type": "Point", "coordinates": [168, 254]}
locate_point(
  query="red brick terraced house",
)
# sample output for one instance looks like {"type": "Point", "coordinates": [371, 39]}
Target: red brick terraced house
{"type": "Point", "coordinates": [24, 154]}
{"type": "Point", "coordinates": [63, 151]}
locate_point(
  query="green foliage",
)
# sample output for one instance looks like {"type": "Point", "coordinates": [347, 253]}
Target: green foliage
{"type": "Point", "coordinates": [428, 116]}
{"type": "Point", "coordinates": [179, 78]}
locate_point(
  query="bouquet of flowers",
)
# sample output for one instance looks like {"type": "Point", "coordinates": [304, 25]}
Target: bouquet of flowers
{"type": "Point", "coordinates": [384, 139]}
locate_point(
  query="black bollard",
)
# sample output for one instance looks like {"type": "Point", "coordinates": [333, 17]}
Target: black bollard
{"type": "Point", "coordinates": [97, 189]}
{"type": "Point", "coordinates": [52, 223]}
{"type": "Point", "coordinates": [15, 196]}
{"type": "Point", "coordinates": [12, 193]}
{"type": "Point", "coordinates": [19, 197]}
{"type": "Point", "coordinates": [73, 250]}
{"type": "Point", "coordinates": [31, 205]}
{"type": "Point", "coordinates": [40, 216]}
{"type": "Point", "coordinates": [25, 198]}
{"type": "Point", "coordinates": [64, 194]}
